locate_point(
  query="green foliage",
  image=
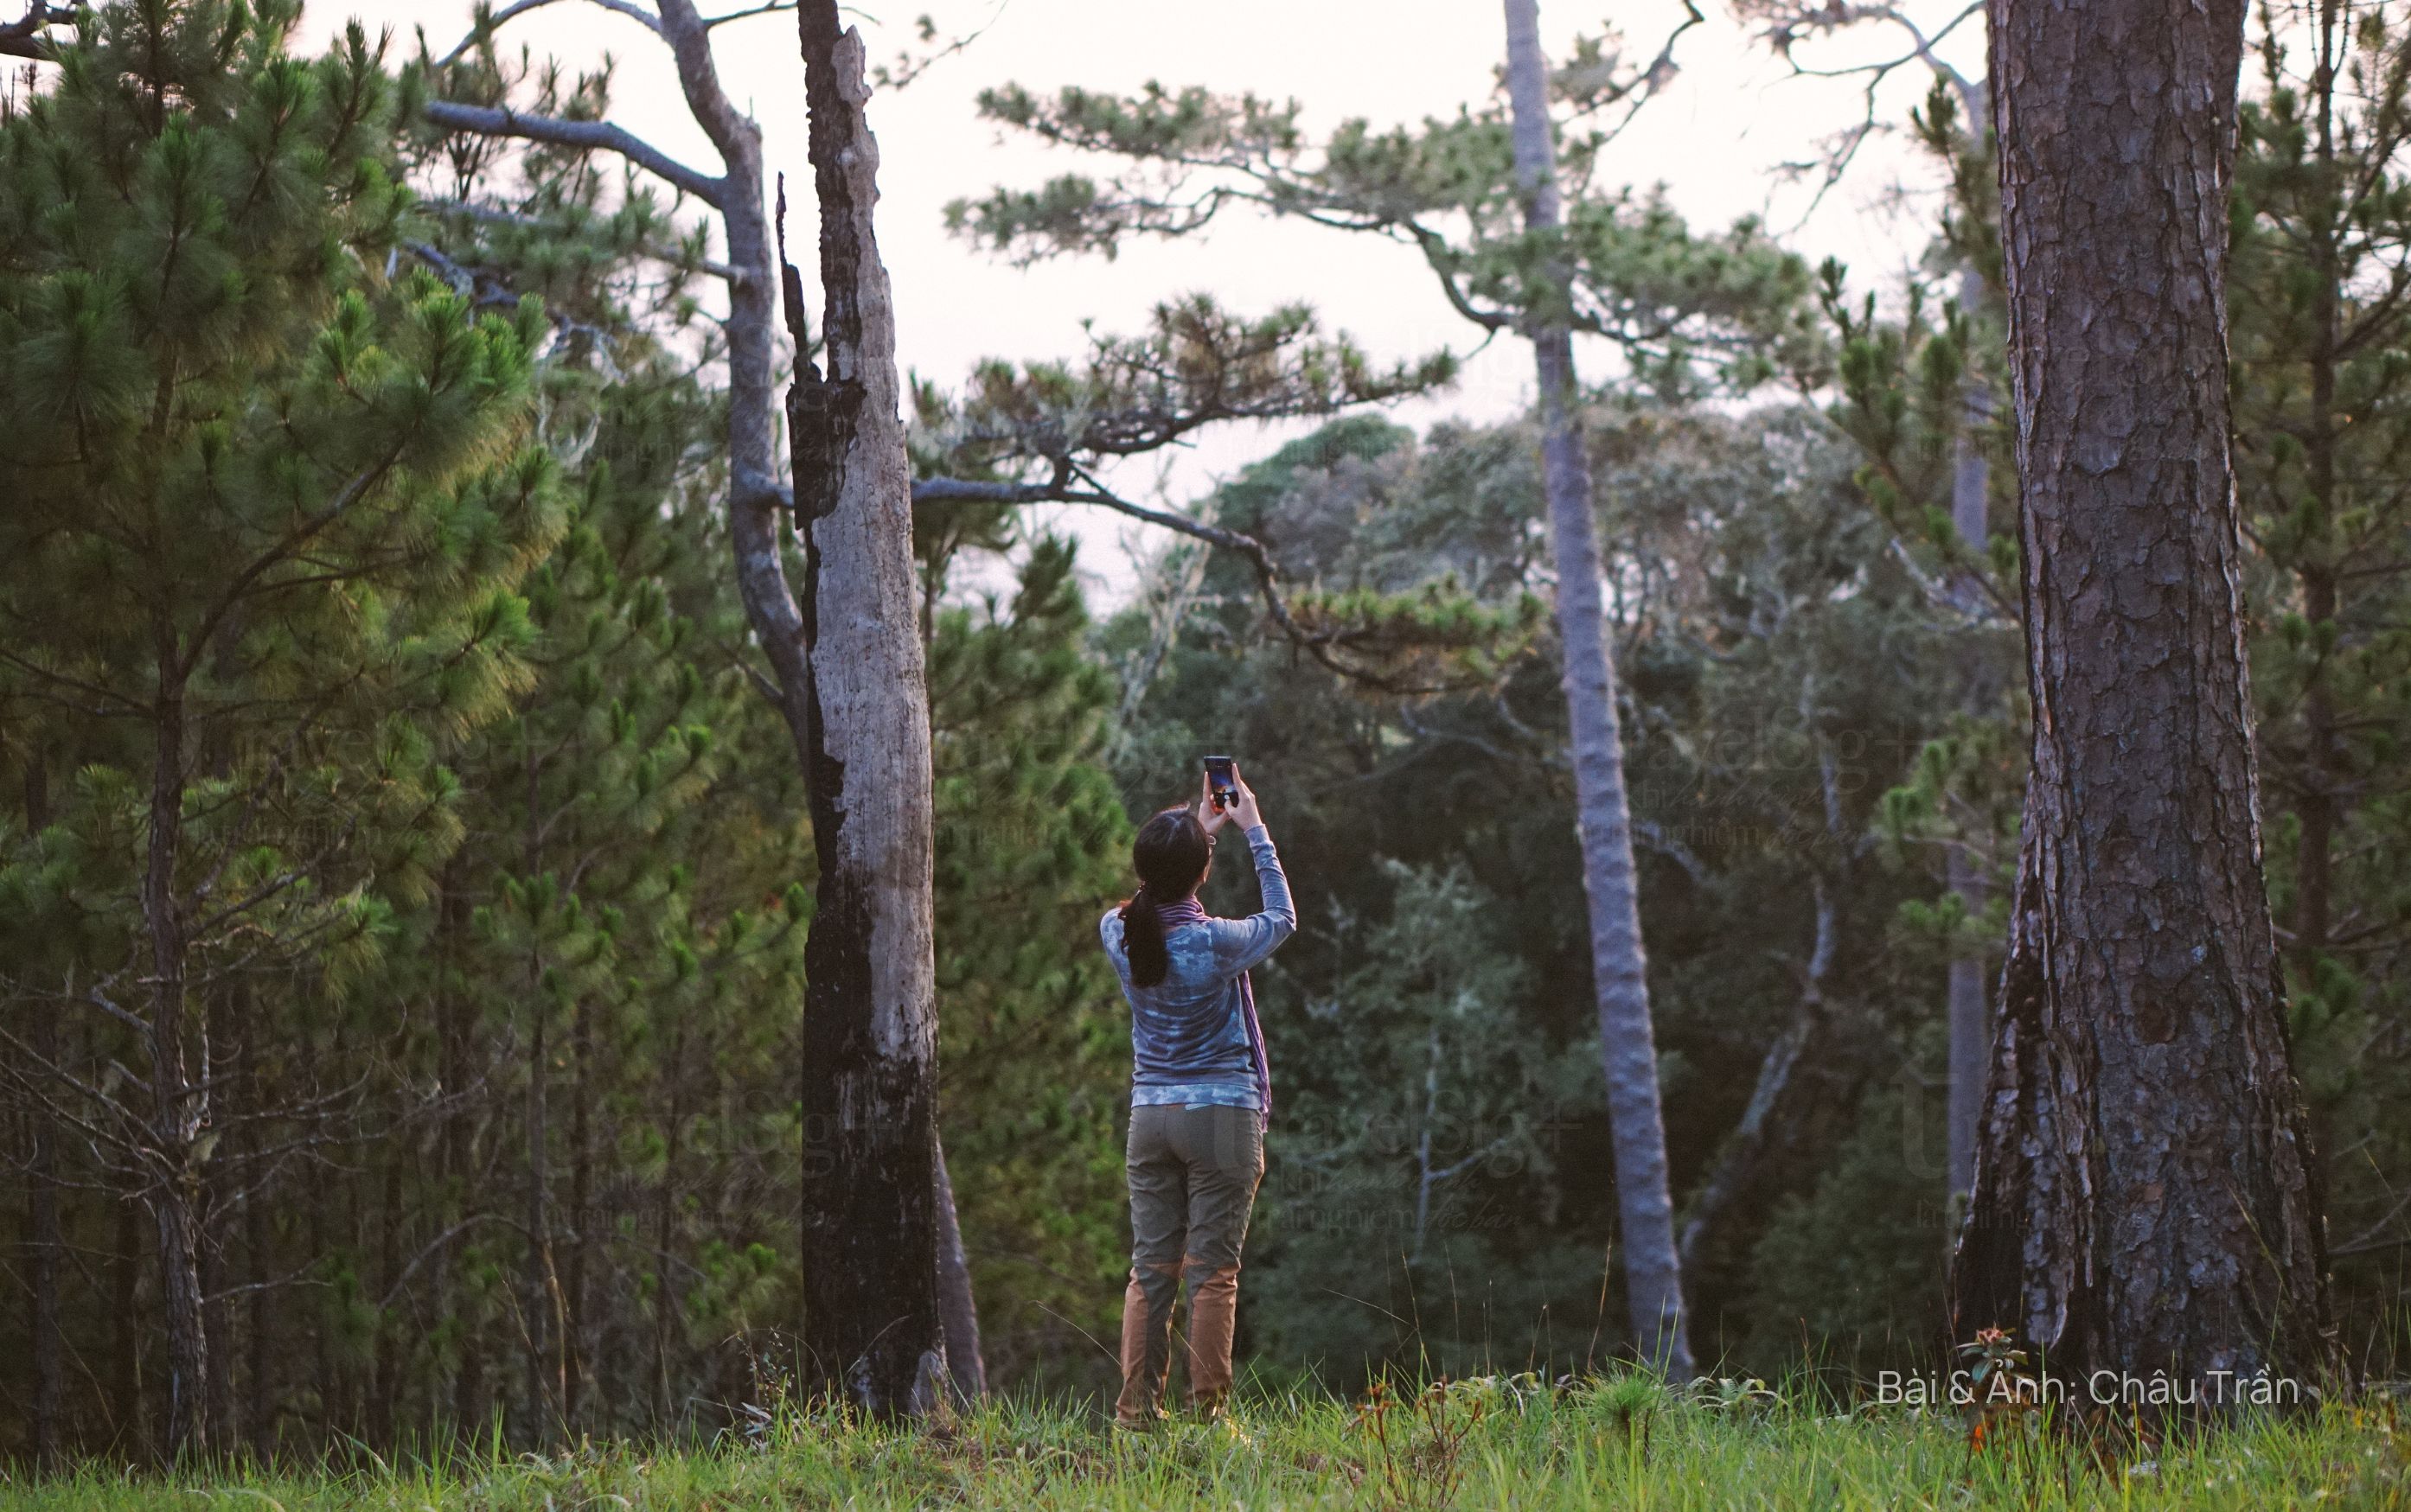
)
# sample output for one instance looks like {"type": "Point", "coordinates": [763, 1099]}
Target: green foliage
{"type": "Point", "coordinates": [2322, 353]}
{"type": "Point", "coordinates": [1747, 573]}
{"type": "Point", "coordinates": [493, 858]}
{"type": "Point", "coordinates": [268, 508]}
{"type": "Point", "coordinates": [1519, 1441]}
{"type": "Point", "coordinates": [1416, 1080]}
{"type": "Point", "coordinates": [1732, 308]}
{"type": "Point", "coordinates": [1197, 364]}
{"type": "Point", "coordinates": [1851, 1271]}
{"type": "Point", "coordinates": [1033, 1050]}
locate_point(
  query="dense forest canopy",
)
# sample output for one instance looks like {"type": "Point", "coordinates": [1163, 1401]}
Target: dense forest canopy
{"type": "Point", "coordinates": [406, 867]}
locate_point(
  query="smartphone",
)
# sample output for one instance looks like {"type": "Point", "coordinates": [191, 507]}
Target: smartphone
{"type": "Point", "coordinates": [1223, 780]}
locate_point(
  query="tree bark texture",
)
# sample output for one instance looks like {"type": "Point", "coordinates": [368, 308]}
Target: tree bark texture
{"type": "Point", "coordinates": [872, 1326]}
{"type": "Point", "coordinates": [1627, 1043]}
{"type": "Point", "coordinates": [2144, 1194]}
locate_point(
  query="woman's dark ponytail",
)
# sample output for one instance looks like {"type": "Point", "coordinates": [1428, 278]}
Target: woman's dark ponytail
{"type": "Point", "coordinates": [1143, 939]}
{"type": "Point", "coordinates": [1170, 855]}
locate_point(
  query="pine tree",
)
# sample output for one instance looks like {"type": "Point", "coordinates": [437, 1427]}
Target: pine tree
{"type": "Point", "coordinates": [1031, 839]}
{"type": "Point", "coordinates": [268, 506]}
{"type": "Point", "coordinates": [2146, 1195]}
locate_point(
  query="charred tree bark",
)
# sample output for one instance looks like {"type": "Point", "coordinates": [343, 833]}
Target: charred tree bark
{"type": "Point", "coordinates": [871, 1326]}
{"type": "Point", "coordinates": [1628, 1042]}
{"type": "Point", "coordinates": [2144, 1196]}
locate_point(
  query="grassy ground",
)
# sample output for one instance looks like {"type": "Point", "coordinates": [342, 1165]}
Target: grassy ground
{"type": "Point", "coordinates": [1624, 1444]}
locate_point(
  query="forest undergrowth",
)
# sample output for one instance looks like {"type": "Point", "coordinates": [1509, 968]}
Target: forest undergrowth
{"type": "Point", "coordinates": [1625, 1442]}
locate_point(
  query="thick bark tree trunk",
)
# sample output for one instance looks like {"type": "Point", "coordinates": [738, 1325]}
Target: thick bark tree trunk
{"type": "Point", "coordinates": [1627, 1043]}
{"type": "Point", "coordinates": [2145, 1198]}
{"type": "Point", "coordinates": [872, 1323]}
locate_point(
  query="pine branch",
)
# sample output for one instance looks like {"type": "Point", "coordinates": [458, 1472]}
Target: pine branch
{"type": "Point", "coordinates": [488, 25]}
{"type": "Point", "coordinates": [1073, 485]}
{"type": "Point", "coordinates": [492, 215]}
{"type": "Point", "coordinates": [768, 7]}
{"type": "Point", "coordinates": [599, 135]}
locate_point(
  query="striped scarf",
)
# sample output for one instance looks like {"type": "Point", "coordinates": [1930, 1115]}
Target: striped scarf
{"type": "Point", "coordinates": [1190, 911]}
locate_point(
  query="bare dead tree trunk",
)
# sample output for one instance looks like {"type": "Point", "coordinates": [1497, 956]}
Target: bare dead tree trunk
{"type": "Point", "coordinates": [2323, 801]}
{"type": "Point", "coordinates": [42, 1197]}
{"type": "Point", "coordinates": [537, 1310]}
{"type": "Point", "coordinates": [256, 1399]}
{"type": "Point", "coordinates": [966, 1362]}
{"type": "Point", "coordinates": [871, 1324]}
{"type": "Point", "coordinates": [1969, 1009]}
{"type": "Point", "coordinates": [665, 1227]}
{"type": "Point", "coordinates": [2145, 1198]}
{"type": "Point", "coordinates": [1628, 1042]}
{"type": "Point", "coordinates": [582, 1220]}
{"type": "Point", "coordinates": [179, 1106]}
{"type": "Point", "coordinates": [1803, 1082]}
{"type": "Point", "coordinates": [130, 1417]}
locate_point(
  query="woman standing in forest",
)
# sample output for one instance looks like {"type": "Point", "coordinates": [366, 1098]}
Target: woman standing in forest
{"type": "Point", "coordinates": [1201, 1090]}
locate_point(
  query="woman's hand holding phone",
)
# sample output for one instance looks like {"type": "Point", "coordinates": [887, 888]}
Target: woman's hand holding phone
{"type": "Point", "coordinates": [1244, 813]}
{"type": "Point", "coordinates": [1213, 816]}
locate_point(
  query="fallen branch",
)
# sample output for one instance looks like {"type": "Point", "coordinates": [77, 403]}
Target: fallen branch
{"type": "Point", "coordinates": [23, 39]}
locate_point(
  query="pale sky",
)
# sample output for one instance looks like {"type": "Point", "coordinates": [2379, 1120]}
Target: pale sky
{"type": "Point", "coordinates": [1714, 138]}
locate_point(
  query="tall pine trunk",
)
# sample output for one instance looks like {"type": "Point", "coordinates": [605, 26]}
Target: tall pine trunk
{"type": "Point", "coordinates": [1969, 1011]}
{"type": "Point", "coordinates": [872, 1328]}
{"type": "Point", "coordinates": [2144, 1196]}
{"type": "Point", "coordinates": [1628, 1045]}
